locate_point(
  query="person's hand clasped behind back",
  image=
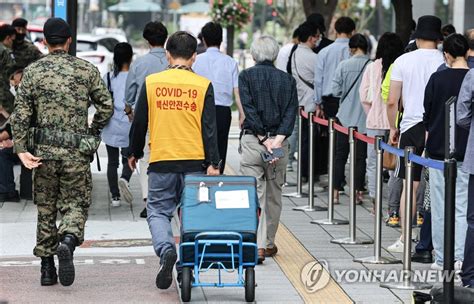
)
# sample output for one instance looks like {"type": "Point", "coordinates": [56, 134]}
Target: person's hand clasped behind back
{"type": "Point", "coordinates": [29, 161]}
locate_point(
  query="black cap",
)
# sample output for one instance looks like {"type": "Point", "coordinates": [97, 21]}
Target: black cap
{"type": "Point", "coordinates": [317, 20]}
{"type": "Point", "coordinates": [20, 22]}
{"type": "Point", "coordinates": [428, 28]}
{"type": "Point", "coordinates": [56, 30]}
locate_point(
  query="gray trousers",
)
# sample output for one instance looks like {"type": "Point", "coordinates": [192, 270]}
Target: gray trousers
{"type": "Point", "coordinates": [270, 178]}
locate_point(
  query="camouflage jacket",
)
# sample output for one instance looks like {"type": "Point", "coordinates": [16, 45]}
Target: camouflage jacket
{"type": "Point", "coordinates": [54, 96]}
{"type": "Point", "coordinates": [7, 64]}
{"type": "Point", "coordinates": [25, 53]}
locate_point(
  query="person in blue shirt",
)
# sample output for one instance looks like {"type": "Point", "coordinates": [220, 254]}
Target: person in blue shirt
{"type": "Point", "coordinates": [223, 71]}
{"type": "Point", "coordinates": [155, 33]}
{"type": "Point", "coordinates": [115, 133]}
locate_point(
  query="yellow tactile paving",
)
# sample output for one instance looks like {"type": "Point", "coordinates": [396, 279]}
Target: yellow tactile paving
{"type": "Point", "coordinates": [313, 283]}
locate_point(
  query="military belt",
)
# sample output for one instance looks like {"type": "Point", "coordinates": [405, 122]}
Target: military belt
{"type": "Point", "coordinates": [85, 143]}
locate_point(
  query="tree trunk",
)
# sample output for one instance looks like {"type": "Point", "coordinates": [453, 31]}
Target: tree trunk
{"type": "Point", "coordinates": [230, 41]}
{"type": "Point", "coordinates": [380, 25]}
{"type": "Point", "coordinates": [323, 7]}
{"type": "Point", "coordinates": [403, 18]}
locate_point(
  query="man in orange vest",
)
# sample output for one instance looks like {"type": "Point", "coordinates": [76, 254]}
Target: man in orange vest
{"type": "Point", "coordinates": [177, 106]}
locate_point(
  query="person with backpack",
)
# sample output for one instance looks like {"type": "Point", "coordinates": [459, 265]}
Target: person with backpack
{"type": "Point", "coordinates": [115, 133]}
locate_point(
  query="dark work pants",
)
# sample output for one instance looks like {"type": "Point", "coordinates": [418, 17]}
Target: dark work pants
{"type": "Point", "coordinates": [342, 152]}
{"type": "Point", "coordinates": [468, 264]}
{"type": "Point", "coordinates": [304, 147]}
{"type": "Point", "coordinates": [113, 155]}
{"type": "Point", "coordinates": [7, 161]}
{"type": "Point", "coordinates": [223, 119]}
{"type": "Point", "coordinates": [425, 243]}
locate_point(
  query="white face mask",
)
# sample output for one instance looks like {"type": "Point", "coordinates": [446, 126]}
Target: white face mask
{"type": "Point", "coordinates": [13, 90]}
{"type": "Point", "coordinates": [318, 41]}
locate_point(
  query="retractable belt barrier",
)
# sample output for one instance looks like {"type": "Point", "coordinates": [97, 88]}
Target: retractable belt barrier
{"type": "Point", "coordinates": [410, 158]}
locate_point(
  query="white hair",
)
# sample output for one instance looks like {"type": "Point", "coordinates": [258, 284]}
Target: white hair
{"type": "Point", "coordinates": [264, 48]}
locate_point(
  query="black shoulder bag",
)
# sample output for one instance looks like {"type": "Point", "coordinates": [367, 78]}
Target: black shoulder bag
{"type": "Point", "coordinates": [353, 84]}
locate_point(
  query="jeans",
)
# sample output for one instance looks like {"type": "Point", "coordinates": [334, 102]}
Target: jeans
{"type": "Point", "coordinates": [112, 165]}
{"type": "Point", "coordinates": [342, 152]}
{"type": "Point", "coordinates": [372, 160]}
{"type": "Point", "coordinates": [468, 265]}
{"type": "Point", "coordinates": [164, 194]}
{"type": "Point", "coordinates": [293, 141]}
{"type": "Point", "coordinates": [395, 187]}
{"type": "Point", "coordinates": [437, 213]}
{"type": "Point", "coordinates": [7, 161]}
{"type": "Point", "coordinates": [425, 243]}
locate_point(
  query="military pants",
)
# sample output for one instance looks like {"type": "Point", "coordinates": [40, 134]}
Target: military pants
{"type": "Point", "coordinates": [64, 187]}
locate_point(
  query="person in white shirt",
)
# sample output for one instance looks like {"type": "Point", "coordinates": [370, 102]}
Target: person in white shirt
{"type": "Point", "coordinates": [410, 74]}
{"type": "Point", "coordinates": [285, 52]}
{"type": "Point", "coordinates": [223, 71]}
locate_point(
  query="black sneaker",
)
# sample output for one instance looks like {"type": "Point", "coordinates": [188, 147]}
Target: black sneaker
{"type": "Point", "coordinates": [12, 197]}
{"type": "Point", "coordinates": [165, 275]}
{"type": "Point", "coordinates": [143, 214]}
{"type": "Point", "coordinates": [66, 272]}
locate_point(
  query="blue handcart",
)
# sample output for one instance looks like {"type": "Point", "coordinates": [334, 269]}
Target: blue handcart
{"type": "Point", "coordinates": [219, 220]}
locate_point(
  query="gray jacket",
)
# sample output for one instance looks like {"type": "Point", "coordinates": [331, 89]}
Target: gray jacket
{"type": "Point", "coordinates": [465, 119]}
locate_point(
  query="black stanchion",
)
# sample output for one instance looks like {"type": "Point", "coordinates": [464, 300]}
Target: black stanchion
{"type": "Point", "coordinates": [449, 226]}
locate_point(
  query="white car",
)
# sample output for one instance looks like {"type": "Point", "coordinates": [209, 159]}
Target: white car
{"type": "Point", "coordinates": [99, 49]}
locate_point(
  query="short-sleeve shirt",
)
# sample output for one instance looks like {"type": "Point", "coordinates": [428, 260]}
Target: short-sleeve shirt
{"type": "Point", "coordinates": [222, 70]}
{"type": "Point", "coordinates": [414, 70]}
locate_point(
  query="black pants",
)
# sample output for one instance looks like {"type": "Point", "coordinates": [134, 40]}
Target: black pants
{"type": "Point", "coordinates": [342, 152]}
{"type": "Point", "coordinates": [113, 155]}
{"type": "Point", "coordinates": [468, 264]}
{"type": "Point", "coordinates": [331, 106]}
{"type": "Point", "coordinates": [223, 119]}
{"type": "Point", "coordinates": [425, 243]}
{"type": "Point", "coordinates": [320, 144]}
{"type": "Point", "coordinates": [7, 179]}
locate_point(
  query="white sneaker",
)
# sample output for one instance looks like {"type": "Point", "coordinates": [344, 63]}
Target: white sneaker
{"type": "Point", "coordinates": [125, 190]}
{"type": "Point", "coordinates": [396, 247]}
{"type": "Point", "coordinates": [436, 266]}
{"type": "Point", "coordinates": [458, 265]}
{"type": "Point", "coordinates": [116, 202]}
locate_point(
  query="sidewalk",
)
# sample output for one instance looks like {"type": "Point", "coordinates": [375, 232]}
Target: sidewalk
{"type": "Point", "coordinates": [116, 264]}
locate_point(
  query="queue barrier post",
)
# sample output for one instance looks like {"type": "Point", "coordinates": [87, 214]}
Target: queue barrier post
{"type": "Point", "coordinates": [449, 226]}
{"type": "Point", "coordinates": [311, 207]}
{"type": "Point", "coordinates": [377, 258]}
{"type": "Point", "coordinates": [407, 282]}
{"type": "Point", "coordinates": [352, 239]}
{"type": "Point", "coordinates": [331, 158]}
{"type": "Point", "coordinates": [299, 184]}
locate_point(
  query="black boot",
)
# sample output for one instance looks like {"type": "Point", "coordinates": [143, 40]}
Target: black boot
{"type": "Point", "coordinates": [65, 256]}
{"type": "Point", "coordinates": [48, 271]}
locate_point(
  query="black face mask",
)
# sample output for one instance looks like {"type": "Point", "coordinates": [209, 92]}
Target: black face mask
{"type": "Point", "coordinates": [20, 37]}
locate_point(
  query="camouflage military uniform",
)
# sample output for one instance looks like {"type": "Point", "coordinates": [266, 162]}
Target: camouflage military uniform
{"type": "Point", "coordinates": [54, 97]}
{"type": "Point", "coordinates": [25, 53]}
{"type": "Point", "coordinates": [7, 64]}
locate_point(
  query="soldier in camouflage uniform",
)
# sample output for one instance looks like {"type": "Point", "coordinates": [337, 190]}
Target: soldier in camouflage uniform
{"type": "Point", "coordinates": [7, 64]}
{"type": "Point", "coordinates": [7, 157]}
{"type": "Point", "coordinates": [25, 52]}
{"type": "Point", "coordinates": [51, 135]}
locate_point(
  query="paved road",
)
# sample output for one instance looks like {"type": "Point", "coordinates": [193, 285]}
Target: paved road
{"type": "Point", "coordinates": [101, 279]}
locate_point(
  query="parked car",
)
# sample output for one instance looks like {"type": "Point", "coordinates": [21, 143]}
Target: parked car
{"type": "Point", "coordinates": [98, 49]}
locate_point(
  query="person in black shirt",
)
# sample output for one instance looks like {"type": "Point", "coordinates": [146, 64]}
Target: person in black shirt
{"type": "Point", "coordinates": [442, 86]}
{"type": "Point", "coordinates": [270, 103]}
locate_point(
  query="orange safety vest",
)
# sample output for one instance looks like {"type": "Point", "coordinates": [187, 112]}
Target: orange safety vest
{"type": "Point", "coordinates": [175, 104]}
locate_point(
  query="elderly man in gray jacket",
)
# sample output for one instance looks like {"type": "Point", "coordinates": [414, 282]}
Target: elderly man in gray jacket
{"type": "Point", "coordinates": [465, 120]}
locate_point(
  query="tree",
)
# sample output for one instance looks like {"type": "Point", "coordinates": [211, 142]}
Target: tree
{"type": "Point", "coordinates": [403, 18]}
{"type": "Point", "coordinates": [323, 7]}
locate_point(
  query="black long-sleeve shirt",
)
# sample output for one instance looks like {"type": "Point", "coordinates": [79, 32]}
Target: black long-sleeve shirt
{"type": "Point", "coordinates": [269, 99]}
{"type": "Point", "coordinates": [139, 129]}
{"type": "Point", "coordinates": [442, 86]}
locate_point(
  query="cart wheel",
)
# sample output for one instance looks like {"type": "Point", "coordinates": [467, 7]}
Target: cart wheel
{"type": "Point", "coordinates": [250, 284]}
{"type": "Point", "coordinates": [186, 284]}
